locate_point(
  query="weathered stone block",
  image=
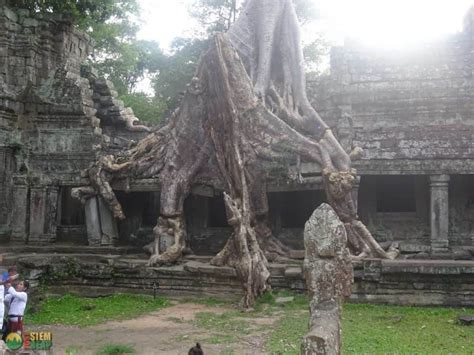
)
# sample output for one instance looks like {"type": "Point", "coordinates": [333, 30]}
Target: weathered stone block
{"type": "Point", "coordinates": [328, 275]}
{"type": "Point", "coordinates": [293, 272]}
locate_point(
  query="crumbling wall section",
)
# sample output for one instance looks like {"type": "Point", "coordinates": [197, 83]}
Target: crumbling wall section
{"type": "Point", "coordinates": [50, 128]}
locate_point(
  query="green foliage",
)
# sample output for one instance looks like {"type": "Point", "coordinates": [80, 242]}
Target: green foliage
{"type": "Point", "coordinates": [116, 349]}
{"type": "Point", "coordinates": [215, 15]}
{"type": "Point", "coordinates": [177, 69]}
{"type": "Point", "coordinates": [129, 63]}
{"type": "Point", "coordinates": [73, 310]}
{"type": "Point", "coordinates": [72, 350]}
{"type": "Point", "coordinates": [86, 13]}
{"type": "Point", "coordinates": [147, 109]}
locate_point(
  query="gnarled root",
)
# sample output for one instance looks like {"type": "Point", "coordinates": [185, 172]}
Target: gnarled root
{"type": "Point", "coordinates": [169, 227]}
{"type": "Point", "coordinates": [271, 246]}
{"type": "Point", "coordinates": [83, 193]}
{"type": "Point", "coordinates": [371, 246]}
{"type": "Point", "coordinates": [243, 252]}
{"type": "Point", "coordinates": [361, 243]}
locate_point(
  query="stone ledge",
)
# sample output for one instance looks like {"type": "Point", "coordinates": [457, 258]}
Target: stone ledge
{"type": "Point", "coordinates": [207, 269]}
{"type": "Point", "coordinates": [406, 282]}
{"type": "Point", "coordinates": [446, 267]}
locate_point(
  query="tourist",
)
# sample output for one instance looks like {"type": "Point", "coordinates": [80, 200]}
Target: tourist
{"type": "Point", "coordinates": [196, 350]}
{"type": "Point", "coordinates": [10, 274]}
{"type": "Point", "coordinates": [7, 278]}
{"type": "Point", "coordinates": [16, 299]}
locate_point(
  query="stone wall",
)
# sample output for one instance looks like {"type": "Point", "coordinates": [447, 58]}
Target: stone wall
{"type": "Point", "coordinates": [412, 111]}
{"type": "Point", "coordinates": [409, 107]}
{"type": "Point", "coordinates": [54, 111]}
{"type": "Point", "coordinates": [90, 272]}
{"type": "Point", "coordinates": [6, 169]}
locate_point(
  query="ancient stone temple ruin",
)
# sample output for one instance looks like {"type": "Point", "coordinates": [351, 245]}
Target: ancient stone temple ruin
{"type": "Point", "coordinates": [411, 111]}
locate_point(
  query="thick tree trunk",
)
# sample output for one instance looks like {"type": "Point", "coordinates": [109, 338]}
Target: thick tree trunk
{"type": "Point", "coordinates": [246, 104]}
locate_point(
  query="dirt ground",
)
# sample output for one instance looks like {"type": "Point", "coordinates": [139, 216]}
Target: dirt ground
{"type": "Point", "coordinates": [168, 331]}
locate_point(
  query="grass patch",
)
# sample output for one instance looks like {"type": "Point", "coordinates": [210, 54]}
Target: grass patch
{"type": "Point", "coordinates": [80, 311]}
{"type": "Point", "coordinates": [225, 323]}
{"type": "Point", "coordinates": [286, 336]}
{"type": "Point", "coordinates": [377, 329]}
{"type": "Point", "coordinates": [228, 327]}
{"type": "Point", "coordinates": [367, 329]}
{"type": "Point", "coordinates": [207, 301]}
{"type": "Point", "coordinates": [116, 349]}
{"type": "Point", "coordinates": [72, 350]}
{"type": "Point", "coordinates": [221, 339]}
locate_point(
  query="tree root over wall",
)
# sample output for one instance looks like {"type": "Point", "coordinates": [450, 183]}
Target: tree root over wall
{"type": "Point", "coordinates": [246, 104]}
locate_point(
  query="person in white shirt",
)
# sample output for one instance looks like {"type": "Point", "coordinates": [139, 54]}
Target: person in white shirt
{"type": "Point", "coordinates": [16, 299]}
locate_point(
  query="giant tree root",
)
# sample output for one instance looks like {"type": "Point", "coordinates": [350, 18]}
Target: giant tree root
{"type": "Point", "coordinates": [246, 104]}
{"type": "Point", "coordinates": [171, 227]}
{"type": "Point", "coordinates": [243, 252]}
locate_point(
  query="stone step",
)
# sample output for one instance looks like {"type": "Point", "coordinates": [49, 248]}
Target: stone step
{"type": "Point", "coordinates": [70, 249]}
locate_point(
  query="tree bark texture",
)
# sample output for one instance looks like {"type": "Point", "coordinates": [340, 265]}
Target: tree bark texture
{"type": "Point", "coordinates": [246, 104]}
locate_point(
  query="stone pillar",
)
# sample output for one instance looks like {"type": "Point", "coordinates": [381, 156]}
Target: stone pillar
{"type": "Point", "coordinates": [37, 214]}
{"type": "Point", "coordinates": [108, 225]}
{"type": "Point", "coordinates": [100, 223]}
{"type": "Point", "coordinates": [43, 214]}
{"type": "Point", "coordinates": [439, 217]}
{"type": "Point", "coordinates": [94, 234]}
{"type": "Point", "coordinates": [51, 215]}
{"type": "Point", "coordinates": [18, 219]}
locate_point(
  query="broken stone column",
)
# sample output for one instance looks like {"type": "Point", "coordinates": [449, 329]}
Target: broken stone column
{"type": "Point", "coordinates": [328, 273]}
{"type": "Point", "coordinates": [100, 223]}
{"type": "Point", "coordinates": [439, 214]}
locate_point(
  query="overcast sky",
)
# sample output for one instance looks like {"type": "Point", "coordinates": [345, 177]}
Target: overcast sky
{"type": "Point", "coordinates": [382, 23]}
